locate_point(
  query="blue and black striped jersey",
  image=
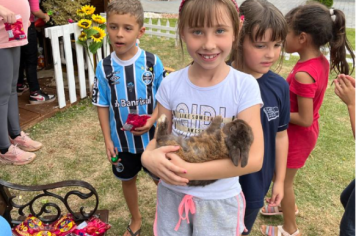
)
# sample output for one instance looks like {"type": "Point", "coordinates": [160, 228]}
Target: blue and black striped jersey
{"type": "Point", "coordinates": [128, 87]}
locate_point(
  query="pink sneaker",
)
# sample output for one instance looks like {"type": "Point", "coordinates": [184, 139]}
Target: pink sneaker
{"type": "Point", "coordinates": [15, 156]}
{"type": "Point", "coordinates": [26, 143]}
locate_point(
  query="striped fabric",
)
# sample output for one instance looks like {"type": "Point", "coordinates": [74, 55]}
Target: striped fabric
{"type": "Point", "coordinates": [128, 87]}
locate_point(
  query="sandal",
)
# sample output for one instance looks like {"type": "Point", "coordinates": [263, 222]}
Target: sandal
{"type": "Point", "coordinates": [270, 231]}
{"type": "Point", "coordinates": [137, 233]}
{"type": "Point", "coordinates": [274, 210]}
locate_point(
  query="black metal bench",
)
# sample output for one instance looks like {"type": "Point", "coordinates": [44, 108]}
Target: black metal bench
{"type": "Point", "coordinates": [52, 208]}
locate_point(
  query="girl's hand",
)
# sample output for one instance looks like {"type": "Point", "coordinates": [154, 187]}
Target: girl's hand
{"type": "Point", "coordinates": [277, 194]}
{"type": "Point", "coordinates": [46, 18]}
{"type": "Point", "coordinates": [7, 15]}
{"type": "Point", "coordinates": [144, 129]}
{"type": "Point", "coordinates": [157, 162]}
{"type": "Point", "coordinates": [345, 89]}
{"type": "Point", "coordinates": [111, 151]}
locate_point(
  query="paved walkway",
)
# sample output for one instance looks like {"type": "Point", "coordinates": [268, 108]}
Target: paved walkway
{"type": "Point", "coordinates": [172, 6]}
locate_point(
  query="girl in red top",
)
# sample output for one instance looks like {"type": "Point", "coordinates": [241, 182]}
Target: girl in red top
{"type": "Point", "coordinates": [309, 27]}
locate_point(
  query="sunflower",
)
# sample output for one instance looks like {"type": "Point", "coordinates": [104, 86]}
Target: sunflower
{"type": "Point", "coordinates": [85, 24]}
{"type": "Point", "coordinates": [98, 19]}
{"type": "Point", "coordinates": [88, 9]}
{"type": "Point", "coordinates": [83, 37]}
{"type": "Point", "coordinates": [98, 37]}
{"type": "Point", "coordinates": [80, 13]}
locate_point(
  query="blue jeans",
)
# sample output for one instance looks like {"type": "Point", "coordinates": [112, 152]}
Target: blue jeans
{"type": "Point", "coordinates": [347, 198]}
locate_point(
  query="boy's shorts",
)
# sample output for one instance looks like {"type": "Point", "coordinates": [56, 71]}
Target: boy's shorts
{"type": "Point", "coordinates": [206, 217]}
{"type": "Point", "coordinates": [129, 166]}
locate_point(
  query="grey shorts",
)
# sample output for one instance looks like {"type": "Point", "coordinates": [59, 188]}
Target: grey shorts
{"type": "Point", "coordinates": [206, 217]}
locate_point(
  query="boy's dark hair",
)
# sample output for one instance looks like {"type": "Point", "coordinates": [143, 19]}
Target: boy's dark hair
{"type": "Point", "coordinates": [121, 7]}
{"type": "Point", "coordinates": [259, 16]}
{"type": "Point", "coordinates": [317, 20]}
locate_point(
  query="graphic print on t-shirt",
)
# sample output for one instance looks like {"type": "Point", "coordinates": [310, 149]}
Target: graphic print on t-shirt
{"type": "Point", "coordinates": [191, 123]}
{"type": "Point", "coordinates": [272, 113]}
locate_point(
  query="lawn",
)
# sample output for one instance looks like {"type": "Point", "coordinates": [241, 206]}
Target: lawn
{"type": "Point", "coordinates": [74, 149]}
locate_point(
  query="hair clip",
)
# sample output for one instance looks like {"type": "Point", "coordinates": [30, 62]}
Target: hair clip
{"type": "Point", "coordinates": [331, 12]}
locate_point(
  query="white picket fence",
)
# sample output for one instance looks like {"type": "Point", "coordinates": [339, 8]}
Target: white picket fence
{"type": "Point", "coordinates": [66, 35]}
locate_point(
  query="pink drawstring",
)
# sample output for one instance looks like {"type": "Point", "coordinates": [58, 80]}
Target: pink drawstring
{"type": "Point", "coordinates": [187, 204]}
{"type": "Point", "coordinates": [238, 213]}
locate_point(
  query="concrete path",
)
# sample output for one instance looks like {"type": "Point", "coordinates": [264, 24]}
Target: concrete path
{"type": "Point", "coordinates": [172, 6]}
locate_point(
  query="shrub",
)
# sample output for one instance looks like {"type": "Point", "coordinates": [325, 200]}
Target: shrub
{"type": "Point", "coordinates": [328, 3]}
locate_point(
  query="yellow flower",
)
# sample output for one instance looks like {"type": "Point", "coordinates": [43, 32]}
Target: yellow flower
{"type": "Point", "coordinates": [85, 24]}
{"type": "Point", "coordinates": [83, 37]}
{"type": "Point", "coordinates": [98, 19]}
{"type": "Point", "coordinates": [88, 9]}
{"type": "Point", "coordinates": [80, 13]}
{"type": "Point", "coordinates": [98, 37]}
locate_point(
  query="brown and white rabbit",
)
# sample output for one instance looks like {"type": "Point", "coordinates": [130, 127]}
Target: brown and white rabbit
{"type": "Point", "coordinates": [232, 141]}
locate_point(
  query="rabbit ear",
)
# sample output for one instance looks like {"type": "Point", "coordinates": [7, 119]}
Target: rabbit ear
{"type": "Point", "coordinates": [234, 155]}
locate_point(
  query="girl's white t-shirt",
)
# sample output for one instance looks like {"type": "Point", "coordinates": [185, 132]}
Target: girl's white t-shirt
{"type": "Point", "coordinates": [193, 108]}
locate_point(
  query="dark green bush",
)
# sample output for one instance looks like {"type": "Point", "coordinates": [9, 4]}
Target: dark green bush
{"type": "Point", "coordinates": [328, 3]}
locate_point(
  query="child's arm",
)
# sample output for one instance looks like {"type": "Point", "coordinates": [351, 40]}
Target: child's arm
{"type": "Point", "coordinates": [148, 125]}
{"type": "Point", "coordinates": [155, 160]}
{"type": "Point", "coordinates": [177, 172]}
{"type": "Point", "coordinates": [103, 114]}
{"type": "Point", "coordinates": [281, 166]}
{"type": "Point", "coordinates": [345, 90]}
{"type": "Point", "coordinates": [224, 168]}
{"type": "Point", "coordinates": [35, 10]}
{"type": "Point", "coordinates": [304, 116]}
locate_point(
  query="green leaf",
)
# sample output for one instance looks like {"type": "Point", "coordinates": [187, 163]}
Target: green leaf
{"type": "Point", "coordinates": [102, 26]}
{"type": "Point", "coordinates": [93, 47]}
{"type": "Point", "coordinates": [90, 32]}
{"type": "Point", "coordinates": [81, 42]}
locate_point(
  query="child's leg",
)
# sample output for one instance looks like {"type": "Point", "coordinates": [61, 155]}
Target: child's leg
{"type": "Point", "coordinates": [126, 170]}
{"type": "Point", "coordinates": [250, 218]}
{"type": "Point", "coordinates": [131, 197]}
{"type": "Point", "coordinates": [288, 202]}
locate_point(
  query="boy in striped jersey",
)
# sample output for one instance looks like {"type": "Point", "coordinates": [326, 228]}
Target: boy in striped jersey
{"type": "Point", "coordinates": [126, 82]}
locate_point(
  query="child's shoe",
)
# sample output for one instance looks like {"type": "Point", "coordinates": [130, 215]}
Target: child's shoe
{"type": "Point", "coordinates": [26, 143]}
{"type": "Point", "coordinates": [21, 88]}
{"type": "Point", "coordinates": [15, 156]}
{"type": "Point", "coordinates": [39, 97]}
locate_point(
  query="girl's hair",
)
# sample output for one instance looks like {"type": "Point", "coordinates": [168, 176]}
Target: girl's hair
{"type": "Point", "coordinates": [259, 16]}
{"type": "Point", "coordinates": [198, 13]}
{"type": "Point", "coordinates": [121, 7]}
{"type": "Point", "coordinates": [324, 26]}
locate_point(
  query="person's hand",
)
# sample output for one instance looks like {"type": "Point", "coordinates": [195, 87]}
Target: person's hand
{"type": "Point", "coordinates": [46, 18]}
{"type": "Point", "coordinates": [7, 15]}
{"type": "Point", "coordinates": [345, 89]}
{"type": "Point", "coordinates": [111, 151]}
{"type": "Point", "coordinates": [141, 130]}
{"type": "Point", "coordinates": [277, 194]}
{"type": "Point", "coordinates": [157, 162]}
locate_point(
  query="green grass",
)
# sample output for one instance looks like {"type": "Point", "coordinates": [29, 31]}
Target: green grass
{"type": "Point", "coordinates": [74, 149]}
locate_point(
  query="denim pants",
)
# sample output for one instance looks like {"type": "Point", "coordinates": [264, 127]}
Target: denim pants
{"type": "Point", "coordinates": [347, 224]}
{"type": "Point", "coordinates": [28, 60]}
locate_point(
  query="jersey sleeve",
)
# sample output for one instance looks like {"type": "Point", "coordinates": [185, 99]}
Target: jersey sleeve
{"type": "Point", "coordinates": [159, 72]}
{"type": "Point", "coordinates": [250, 94]}
{"type": "Point", "coordinates": [284, 116]}
{"type": "Point", "coordinates": [100, 88]}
